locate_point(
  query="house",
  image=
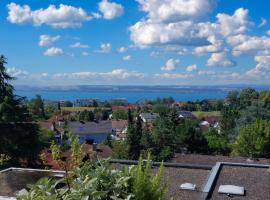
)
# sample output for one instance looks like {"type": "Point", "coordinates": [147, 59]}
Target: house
{"type": "Point", "coordinates": [119, 101]}
{"type": "Point", "coordinates": [185, 114]}
{"type": "Point", "coordinates": [149, 117]}
{"type": "Point", "coordinates": [84, 102]}
{"type": "Point", "coordinates": [120, 128]}
{"type": "Point", "coordinates": [205, 125]}
{"type": "Point", "coordinates": [47, 125]}
{"type": "Point", "coordinates": [212, 119]}
{"type": "Point", "coordinates": [59, 121]}
{"type": "Point", "coordinates": [91, 131]}
{"type": "Point", "coordinates": [125, 108]}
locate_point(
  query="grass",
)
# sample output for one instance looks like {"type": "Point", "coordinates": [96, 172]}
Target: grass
{"type": "Point", "coordinates": [201, 114]}
{"type": "Point", "coordinates": [79, 109]}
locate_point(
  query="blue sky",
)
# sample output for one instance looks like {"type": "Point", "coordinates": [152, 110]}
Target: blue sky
{"type": "Point", "coordinates": [143, 42]}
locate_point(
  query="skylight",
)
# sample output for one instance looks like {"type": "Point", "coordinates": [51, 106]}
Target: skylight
{"type": "Point", "coordinates": [188, 186]}
{"type": "Point", "coordinates": [231, 189]}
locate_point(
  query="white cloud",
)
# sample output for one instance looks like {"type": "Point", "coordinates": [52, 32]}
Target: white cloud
{"type": "Point", "coordinates": [191, 68]}
{"type": "Point", "coordinates": [147, 33]}
{"type": "Point", "coordinates": [17, 73]}
{"type": "Point", "coordinates": [262, 69]}
{"type": "Point", "coordinates": [127, 58]}
{"type": "Point", "coordinates": [171, 22]}
{"type": "Point", "coordinates": [53, 51]}
{"type": "Point", "coordinates": [176, 10]}
{"type": "Point", "coordinates": [220, 59]}
{"type": "Point", "coordinates": [64, 16]}
{"type": "Point", "coordinates": [96, 15]}
{"type": "Point", "coordinates": [115, 74]}
{"type": "Point", "coordinates": [208, 72]}
{"type": "Point", "coordinates": [84, 53]}
{"type": "Point", "coordinates": [252, 44]}
{"type": "Point", "coordinates": [122, 49]}
{"type": "Point", "coordinates": [47, 40]}
{"type": "Point", "coordinates": [110, 10]}
{"type": "Point", "coordinates": [215, 46]}
{"type": "Point", "coordinates": [262, 23]}
{"type": "Point", "coordinates": [170, 65]}
{"type": "Point", "coordinates": [78, 45]}
{"type": "Point", "coordinates": [105, 48]}
{"type": "Point", "coordinates": [173, 76]}
{"type": "Point", "coordinates": [235, 24]}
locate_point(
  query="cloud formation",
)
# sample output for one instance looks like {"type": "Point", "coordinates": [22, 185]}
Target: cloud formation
{"type": "Point", "coordinates": [47, 40]}
{"type": "Point", "coordinates": [110, 10]}
{"type": "Point", "coordinates": [64, 16]}
{"type": "Point", "coordinates": [191, 68]}
{"type": "Point", "coordinates": [170, 65]}
{"type": "Point", "coordinates": [127, 58]}
{"type": "Point", "coordinates": [105, 48]}
{"type": "Point", "coordinates": [78, 45]}
{"type": "Point", "coordinates": [53, 51]}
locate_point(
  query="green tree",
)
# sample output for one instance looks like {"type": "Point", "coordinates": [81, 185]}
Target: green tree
{"type": "Point", "coordinates": [161, 109]}
{"type": "Point", "coordinates": [68, 104]}
{"type": "Point", "coordinates": [247, 96]}
{"type": "Point", "coordinates": [5, 87]}
{"type": "Point", "coordinates": [38, 107]}
{"type": "Point", "coordinates": [120, 114]}
{"type": "Point", "coordinates": [134, 135]}
{"type": "Point", "coordinates": [217, 143]}
{"type": "Point", "coordinates": [254, 140]}
{"type": "Point", "coordinates": [11, 107]}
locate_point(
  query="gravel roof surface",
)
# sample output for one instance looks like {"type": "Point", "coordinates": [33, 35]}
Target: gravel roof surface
{"type": "Point", "coordinates": [15, 180]}
{"type": "Point", "coordinates": [174, 177]}
{"type": "Point", "coordinates": [211, 160]}
{"type": "Point", "coordinates": [256, 182]}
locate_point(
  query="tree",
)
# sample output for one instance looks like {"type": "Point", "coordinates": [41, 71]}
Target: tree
{"type": "Point", "coordinates": [233, 98]}
{"type": "Point", "coordinates": [160, 109]}
{"type": "Point", "coordinates": [68, 104]}
{"type": "Point", "coordinates": [5, 88]}
{"type": "Point", "coordinates": [19, 140]}
{"type": "Point", "coordinates": [105, 115]}
{"type": "Point", "coordinates": [217, 143]}
{"type": "Point", "coordinates": [38, 107]}
{"type": "Point", "coordinates": [247, 96]}
{"type": "Point", "coordinates": [134, 134]}
{"type": "Point", "coordinates": [11, 109]}
{"type": "Point", "coordinates": [254, 140]}
{"type": "Point", "coordinates": [120, 114]}
{"type": "Point", "coordinates": [228, 123]}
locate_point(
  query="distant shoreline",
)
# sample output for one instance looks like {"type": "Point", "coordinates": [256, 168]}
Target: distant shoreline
{"type": "Point", "coordinates": [131, 93]}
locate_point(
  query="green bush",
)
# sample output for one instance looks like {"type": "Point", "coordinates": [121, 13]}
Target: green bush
{"type": "Point", "coordinates": [100, 181]}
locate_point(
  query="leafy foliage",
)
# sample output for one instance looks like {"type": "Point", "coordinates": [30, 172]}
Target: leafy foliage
{"type": "Point", "coordinates": [100, 180]}
{"type": "Point", "coordinates": [120, 114]}
{"type": "Point", "coordinates": [254, 140]}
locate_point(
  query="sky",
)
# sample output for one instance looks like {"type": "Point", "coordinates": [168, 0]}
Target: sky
{"type": "Point", "coordinates": [136, 42]}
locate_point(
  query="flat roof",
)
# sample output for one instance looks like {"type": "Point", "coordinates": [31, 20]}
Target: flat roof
{"type": "Point", "coordinates": [255, 180]}
{"type": "Point", "coordinates": [13, 180]}
{"type": "Point", "coordinates": [174, 176]}
{"type": "Point", "coordinates": [212, 160]}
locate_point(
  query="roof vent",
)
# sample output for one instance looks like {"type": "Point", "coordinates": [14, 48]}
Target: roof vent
{"type": "Point", "coordinates": [188, 186]}
{"type": "Point", "coordinates": [231, 189]}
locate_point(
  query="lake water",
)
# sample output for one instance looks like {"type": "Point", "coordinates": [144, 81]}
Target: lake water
{"type": "Point", "coordinates": [132, 97]}
{"type": "Point", "coordinates": [131, 93]}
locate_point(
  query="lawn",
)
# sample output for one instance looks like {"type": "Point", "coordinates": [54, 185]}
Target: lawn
{"type": "Point", "coordinates": [201, 114]}
{"type": "Point", "coordinates": [79, 109]}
